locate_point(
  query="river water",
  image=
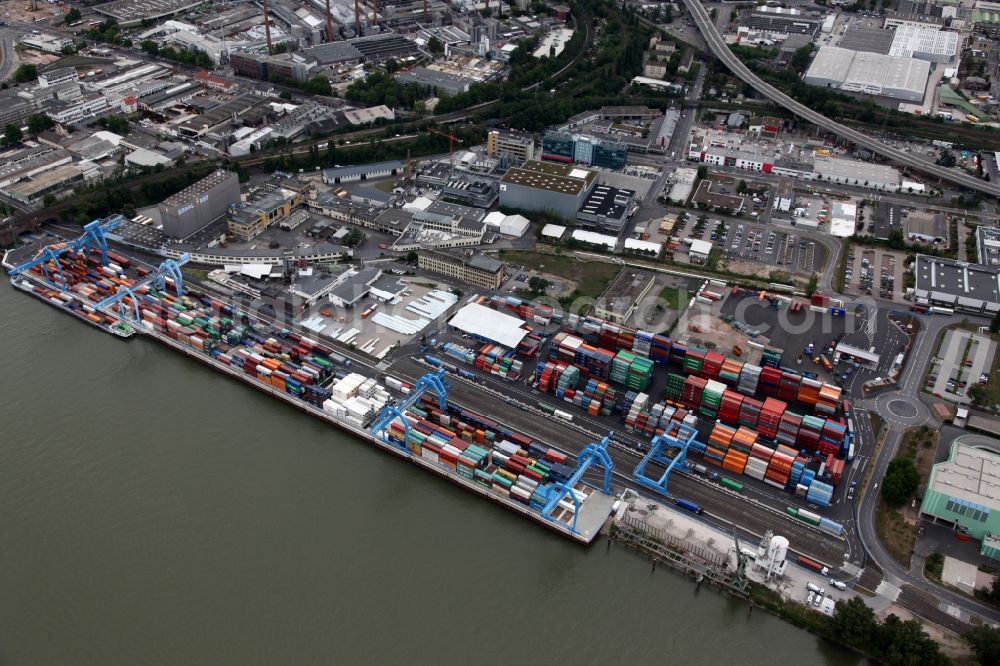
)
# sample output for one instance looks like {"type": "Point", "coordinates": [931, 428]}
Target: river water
{"type": "Point", "coordinates": [154, 512]}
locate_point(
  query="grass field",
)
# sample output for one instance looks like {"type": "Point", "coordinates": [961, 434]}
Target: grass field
{"type": "Point", "coordinates": [591, 277]}
{"type": "Point", "coordinates": [672, 295]}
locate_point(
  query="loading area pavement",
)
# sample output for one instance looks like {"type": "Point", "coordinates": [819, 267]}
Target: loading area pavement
{"type": "Point", "coordinates": [963, 361]}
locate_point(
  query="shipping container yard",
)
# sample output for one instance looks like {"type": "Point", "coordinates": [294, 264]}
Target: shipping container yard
{"type": "Point", "coordinates": [470, 450]}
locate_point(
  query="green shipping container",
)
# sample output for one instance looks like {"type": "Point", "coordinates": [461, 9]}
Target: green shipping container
{"type": "Point", "coordinates": [732, 485]}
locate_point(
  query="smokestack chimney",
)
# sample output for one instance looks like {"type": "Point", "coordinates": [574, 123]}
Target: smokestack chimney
{"type": "Point", "coordinates": [357, 17]}
{"type": "Point", "coordinates": [329, 23]}
{"type": "Point", "coordinates": [374, 13]}
{"type": "Point", "coordinates": [267, 28]}
{"type": "Point", "coordinates": [425, 11]}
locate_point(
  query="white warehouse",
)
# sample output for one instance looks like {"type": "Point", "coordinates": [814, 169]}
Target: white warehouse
{"type": "Point", "coordinates": [869, 73]}
{"type": "Point", "coordinates": [924, 43]}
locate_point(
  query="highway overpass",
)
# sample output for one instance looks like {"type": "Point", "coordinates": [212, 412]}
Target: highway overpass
{"type": "Point", "coordinates": [736, 66]}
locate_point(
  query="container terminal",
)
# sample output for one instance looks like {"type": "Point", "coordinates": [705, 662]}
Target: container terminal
{"type": "Point", "coordinates": [414, 422]}
{"type": "Point", "coordinates": [106, 280]}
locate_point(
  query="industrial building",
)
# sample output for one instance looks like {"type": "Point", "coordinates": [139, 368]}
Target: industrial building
{"type": "Point", "coordinates": [927, 228]}
{"type": "Point", "coordinates": [861, 174]}
{"type": "Point", "coordinates": [441, 83]}
{"type": "Point", "coordinates": [869, 73]}
{"type": "Point", "coordinates": [988, 245]}
{"type": "Point", "coordinates": [507, 225]}
{"type": "Point", "coordinates": [620, 300]}
{"type": "Point", "coordinates": [957, 285]}
{"type": "Point", "coordinates": [964, 491]}
{"type": "Point", "coordinates": [37, 186]}
{"type": "Point", "coordinates": [56, 76]}
{"type": "Point", "coordinates": [606, 209]}
{"type": "Point", "coordinates": [786, 20]}
{"type": "Point", "coordinates": [197, 205]}
{"type": "Point", "coordinates": [47, 43]}
{"type": "Point", "coordinates": [477, 269]}
{"type": "Point", "coordinates": [262, 66]}
{"type": "Point", "coordinates": [888, 218]}
{"type": "Point", "coordinates": [924, 43]}
{"type": "Point", "coordinates": [248, 220]}
{"type": "Point", "coordinates": [540, 186]}
{"type": "Point", "coordinates": [583, 149]}
{"type": "Point", "coordinates": [471, 191]}
{"type": "Point", "coordinates": [489, 325]}
{"type": "Point", "coordinates": [362, 172]}
{"type": "Point", "coordinates": [133, 12]}
{"type": "Point", "coordinates": [521, 148]}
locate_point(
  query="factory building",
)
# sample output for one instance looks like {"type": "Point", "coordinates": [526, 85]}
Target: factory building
{"type": "Point", "coordinates": [861, 174]}
{"type": "Point", "coordinates": [957, 285]}
{"type": "Point", "coordinates": [199, 204]}
{"type": "Point", "coordinates": [964, 491]}
{"type": "Point", "coordinates": [263, 67]}
{"type": "Point", "coordinates": [521, 148]}
{"type": "Point", "coordinates": [362, 172]}
{"type": "Point", "coordinates": [869, 73]}
{"type": "Point", "coordinates": [47, 43]}
{"type": "Point", "coordinates": [477, 269]}
{"type": "Point", "coordinates": [442, 83]}
{"type": "Point", "coordinates": [988, 245]}
{"type": "Point", "coordinates": [540, 186]}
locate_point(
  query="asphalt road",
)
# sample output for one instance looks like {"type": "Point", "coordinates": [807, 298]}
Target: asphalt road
{"type": "Point", "coordinates": [722, 52]}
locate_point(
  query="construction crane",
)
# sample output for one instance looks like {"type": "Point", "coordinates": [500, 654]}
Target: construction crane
{"type": "Point", "coordinates": [677, 438]}
{"type": "Point", "coordinates": [593, 453]}
{"type": "Point", "coordinates": [94, 237]}
{"type": "Point", "coordinates": [432, 380]}
{"type": "Point", "coordinates": [451, 139]}
{"type": "Point", "coordinates": [170, 268]}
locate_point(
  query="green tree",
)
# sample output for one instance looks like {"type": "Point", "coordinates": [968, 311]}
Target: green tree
{"type": "Point", "coordinates": [702, 171]}
{"type": "Point", "coordinates": [896, 239]}
{"type": "Point", "coordinates": [800, 59]}
{"type": "Point", "coordinates": [116, 124]}
{"type": "Point", "coordinates": [434, 46]}
{"type": "Point", "coordinates": [538, 285]}
{"type": "Point", "coordinates": [149, 46]}
{"type": "Point", "coordinates": [854, 622]}
{"type": "Point", "coordinates": [995, 323]}
{"type": "Point", "coordinates": [900, 482]}
{"type": "Point", "coordinates": [25, 73]}
{"type": "Point", "coordinates": [946, 159]}
{"type": "Point", "coordinates": [411, 257]}
{"type": "Point", "coordinates": [906, 644]}
{"type": "Point", "coordinates": [812, 284]}
{"type": "Point", "coordinates": [12, 134]}
{"type": "Point", "coordinates": [39, 123]}
{"type": "Point", "coordinates": [72, 16]}
{"type": "Point", "coordinates": [391, 65]}
{"type": "Point", "coordinates": [985, 642]}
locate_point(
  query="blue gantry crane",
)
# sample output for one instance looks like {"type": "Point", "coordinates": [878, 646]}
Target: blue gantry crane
{"type": "Point", "coordinates": [593, 453]}
{"type": "Point", "coordinates": [431, 381]}
{"type": "Point", "coordinates": [677, 438]}
{"type": "Point", "coordinates": [170, 268]}
{"type": "Point", "coordinates": [94, 237]}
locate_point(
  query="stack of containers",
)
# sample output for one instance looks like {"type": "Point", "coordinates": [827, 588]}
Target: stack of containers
{"type": "Point", "coordinates": [809, 433]}
{"type": "Point", "coordinates": [788, 388]}
{"type": "Point", "coordinates": [832, 438]}
{"type": "Point", "coordinates": [620, 365]}
{"type": "Point", "coordinates": [770, 381]}
{"type": "Point", "coordinates": [749, 413]}
{"type": "Point", "coordinates": [827, 403]}
{"type": "Point", "coordinates": [780, 468]}
{"type": "Point", "coordinates": [498, 360]}
{"type": "Point", "coordinates": [770, 417]}
{"type": "Point", "coordinates": [640, 372]}
{"type": "Point", "coordinates": [678, 352]}
{"type": "Point", "coordinates": [788, 429]}
{"type": "Point", "coordinates": [596, 397]}
{"type": "Point", "coordinates": [636, 409]}
{"type": "Point", "coordinates": [459, 352]}
{"type": "Point", "coordinates": [796, 475]}
{"type": "Point", "coordinates": [735, 461]}
{"type": "Point", "coordinates": [809, 391]}
{"type": "Point", "coordinates": [675, 386]}
{"type": "Point", "coordinates": [760, 456]}
{"type": "Point", "coordinates": [643, 343]}
{"type": "Point", "coordinates": [819, 493]}
{"type": "Point", "coordinates": [730, 372]}
{"type": "Point", "coordinates": [771, 358]}
{"type": "Point", "coordinates": [660, 349]}
{"type": "Point", "coordinates": [718, 443]}
{"type": "Point", "coordinates": [711, 399]}
{"type": "Point", "coordinates": [567, 379]}
{"type": "Point", "coordinates": [712, 365]}
{"type": "Point", "coordinates": [749, 378]}
{"type": "Point", "coordinates": [729, 410]}
{"type": "Point", "coordinates": [693, 388]}
{"type": "Point", "coordinates": [694, 359]}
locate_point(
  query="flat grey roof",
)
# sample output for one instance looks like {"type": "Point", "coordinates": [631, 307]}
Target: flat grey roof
{"type": "Point", "coordinates": [128, 11]}
{"type": "Point", "coordinates": [362, 169]}
{"type": "Point", "coordinates": [957, 283]}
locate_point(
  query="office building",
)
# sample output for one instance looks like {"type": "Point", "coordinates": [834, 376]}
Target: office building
{"type": "Point", "coordinates": [964, 491]}
{"type": "Point", "coordinates": [477, 269]}
{"type": "Point", "coordinates": [541, 186]}
{"type": "Point", "coordinates": [521, 148]}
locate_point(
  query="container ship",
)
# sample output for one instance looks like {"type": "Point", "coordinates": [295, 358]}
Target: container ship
{"type": "Point", "coordinates": [460, 445]}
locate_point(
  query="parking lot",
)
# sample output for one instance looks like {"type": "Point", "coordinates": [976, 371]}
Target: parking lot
{"type": "Point", "coordinates": [874, 270]}
{"type": "Point", "coordinates": [962, 361]}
